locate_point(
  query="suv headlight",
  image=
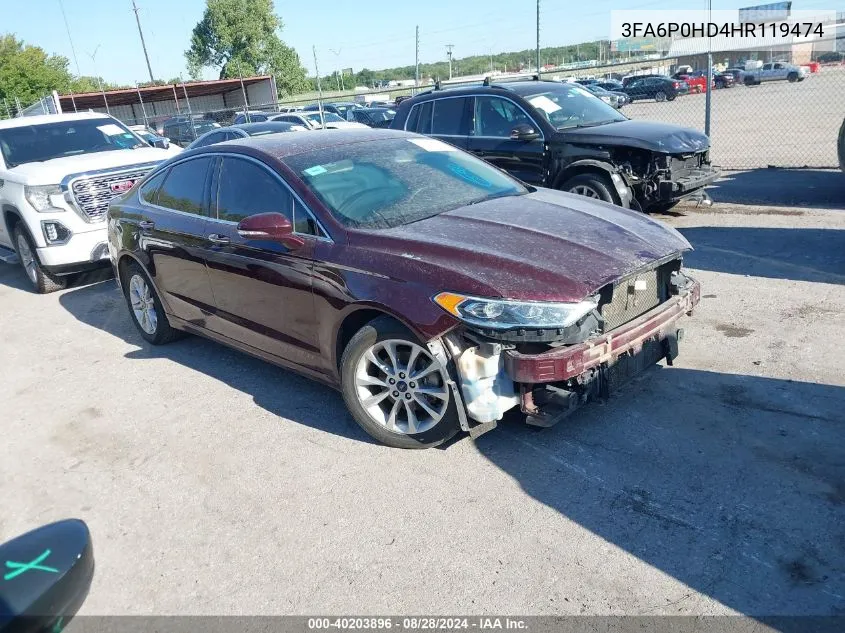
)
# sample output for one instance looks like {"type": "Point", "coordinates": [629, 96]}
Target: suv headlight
{"type": "Point", "coordinates": [506, 314]}
{"type": "Point", "coordinates": [40, 197]}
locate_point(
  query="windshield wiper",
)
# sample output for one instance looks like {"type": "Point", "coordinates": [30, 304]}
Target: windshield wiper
{"type": "Point", "coordinates": [592, 124]}
{"type": "Point", "coordinates": [493, 196]}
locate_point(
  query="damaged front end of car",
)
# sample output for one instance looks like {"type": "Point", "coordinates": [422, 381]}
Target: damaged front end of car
{"type": "Point", "coordinates": [548, 372]}
{"type": "Point", "coordinates": [660, 180]}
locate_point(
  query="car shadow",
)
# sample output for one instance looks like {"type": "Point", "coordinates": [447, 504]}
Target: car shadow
{"type": "Point", "coordinates": [780, 253]}
{"type": "Point", "coordinates": [13, 276]}
{"type": "Point", "coordinates": [280, 392]}
{"type": "Point", "coordinates": [733, 485]}
{"type": "Point", "coordinates": [808, 188]}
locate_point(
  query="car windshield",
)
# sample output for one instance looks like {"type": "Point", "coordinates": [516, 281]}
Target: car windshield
{"type": "Point", "coordinates": [329, 117]}
{"type": "Point", "coordinates": [570, 105]}
{"type": "Point", "coordinates": [391, 182]}
{"type": "Point", "coordinates": [38, 143]}
{"type": "Point", "coordinates": [201, 127]}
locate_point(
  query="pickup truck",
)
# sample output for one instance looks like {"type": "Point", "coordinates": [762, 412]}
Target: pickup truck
{"type": "Point", "coordinates": [58, 173]}
{"type": "Point", "coordinates": [755, 74]}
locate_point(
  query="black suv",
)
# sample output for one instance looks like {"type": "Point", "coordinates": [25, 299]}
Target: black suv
{"type": "Point", "coordinates": [183, 130]}
{"type": "Point", "coordinates": [657, 88]}
{"type": "Point", "coordinates": [561, 136]}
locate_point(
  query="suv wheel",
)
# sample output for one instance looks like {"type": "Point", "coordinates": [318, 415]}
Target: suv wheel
{"type": "Point", "coordinates": [395, 389]}
{"type": "Point", "coordinates": [42, 281]}
{"type": "Point", "coordinates": [145, 306]}
{"type": "Point", "coordinates": [592, 185]}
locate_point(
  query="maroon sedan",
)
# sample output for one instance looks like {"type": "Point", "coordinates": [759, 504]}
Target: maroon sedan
{"type": "Point", "coordinates": [433, 290]}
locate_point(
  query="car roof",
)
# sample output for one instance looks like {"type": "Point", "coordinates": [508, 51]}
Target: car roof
{"type": "Point", "coordinates": [280, 146]}
{"type": "Point", "coordinates": [42, 119]}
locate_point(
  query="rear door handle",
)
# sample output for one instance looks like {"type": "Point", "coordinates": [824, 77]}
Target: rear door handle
{"type": "Point", "coordinates": [146, 225]}
{"type": "Point", "coordinates": [214, 238]}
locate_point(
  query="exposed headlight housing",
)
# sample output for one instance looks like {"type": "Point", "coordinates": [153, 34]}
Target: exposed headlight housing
{"type": "Point", "coordinates": [41, 197]}
{"type": "Point", "coordinates": [506, 314]}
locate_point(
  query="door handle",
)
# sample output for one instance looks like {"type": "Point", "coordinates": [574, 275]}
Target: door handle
{"type": "Point", "coordinates": [214, 238]}
{"type": "Point", "coordinates": [146, 225]}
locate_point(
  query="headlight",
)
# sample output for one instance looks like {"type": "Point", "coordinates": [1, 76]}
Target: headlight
{"type": "Point", "coordinates": [505, 314]}
{"type": "Point", "coordinates": [40, 197]}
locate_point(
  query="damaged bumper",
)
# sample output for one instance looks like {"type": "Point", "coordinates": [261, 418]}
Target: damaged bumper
{"type": "Point", "coordinates": [548, 386]}
{"type": "Point", "coordinates": [568, 362]}
{"type": "Point", "coordinates": [681, 187]}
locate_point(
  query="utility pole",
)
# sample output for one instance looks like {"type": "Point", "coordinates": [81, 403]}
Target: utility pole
{"type": "Point", "coordinates": [417, 61]}
{"type": "Point", "coordinates": [538, 37]}
{"type": "Point", "coordinates": [143, 43]}
{"type": "Point", "coordinates": [319, 90]}
{"type": "Point", "coordinates": [449, 48]}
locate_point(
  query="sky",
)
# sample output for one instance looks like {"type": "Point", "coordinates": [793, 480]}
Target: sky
{"type": "Point", "coordinates": [346, 33]}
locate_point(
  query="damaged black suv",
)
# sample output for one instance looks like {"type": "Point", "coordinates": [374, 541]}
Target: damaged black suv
{"type": "Point", "coordinates": [559, 135]}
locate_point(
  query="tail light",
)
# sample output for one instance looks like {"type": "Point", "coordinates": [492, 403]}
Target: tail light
{"type": "Point", "coordinates": [676, 84]}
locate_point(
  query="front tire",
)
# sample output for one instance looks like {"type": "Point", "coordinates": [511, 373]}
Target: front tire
{"type": "Point", "coordinates": [592, 185]}
{"type": "Point", "coordinates": [41, 280]}
{"type": "Point", "coordinates": [395, 389]}
{"type": "Point", "coordinates": [792, 77]}
{"type": "Point", "coordinates": [145, 307]}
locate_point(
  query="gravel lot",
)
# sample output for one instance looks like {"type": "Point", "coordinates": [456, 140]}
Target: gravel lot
{"type": "Point", "coordinates": [776, 123]}
{"type": "Point", "coordinates": [216, 484]}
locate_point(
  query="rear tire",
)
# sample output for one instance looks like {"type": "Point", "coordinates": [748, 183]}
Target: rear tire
{"type": "Point", "coordinates": [145, 307]}
{"type": "Point", "coordinates": [660, 96]}
{"type": "Point", "coordinates": [41, 280]}
{"type": "Point", "coordinates": [402, 413]}
{"type": "Point", "coordinates": [592, 185]}
{"type": "Point", "coordinates": [792, 77]}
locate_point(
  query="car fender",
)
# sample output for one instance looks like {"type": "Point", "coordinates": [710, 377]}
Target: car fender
{"type": "Point", "coordinates": [125, 255]}
{"type": "Point", "coordinates": [583, 165]}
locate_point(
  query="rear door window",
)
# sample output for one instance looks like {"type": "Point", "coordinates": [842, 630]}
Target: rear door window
{"type": "Point", "coordinates": [450, 117]}
{"type": "Point", "coordinates": [184, 187]}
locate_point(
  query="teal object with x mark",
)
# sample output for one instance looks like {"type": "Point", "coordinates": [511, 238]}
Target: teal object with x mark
{"type": "Point", "coordinates": [20, 568]}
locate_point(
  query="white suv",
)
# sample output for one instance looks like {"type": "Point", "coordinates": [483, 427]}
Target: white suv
{"type": "Point", "coordinates": [58, 173]}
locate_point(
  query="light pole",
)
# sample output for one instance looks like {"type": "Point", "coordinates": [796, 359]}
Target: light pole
{"type": "Point", "coordinates": [93, 57]}
{"type": "Point", "coordinates": [143, 43]}
{"type": "Point", "coordinates": [338, 73]}
{"type": "Point", "coordinates": [449, 48]}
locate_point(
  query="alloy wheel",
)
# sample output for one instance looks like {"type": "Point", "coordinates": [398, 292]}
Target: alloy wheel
{"type": "Point", "coordinates": [660, 96]}
{"type": "Point", "coordinates": [584, 190]}
{"type": "Point", "coordinates": [143, 304]}
{"type": "Point", "coordinates": [402, 387]}
{"type": "Point", "coordinates": [27, 258]}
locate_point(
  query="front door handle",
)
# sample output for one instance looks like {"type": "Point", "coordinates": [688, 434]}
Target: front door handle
{"type": "Point", "coordinates": [146, 225]}
{"type": "Point", "coordinates": [214, 238]}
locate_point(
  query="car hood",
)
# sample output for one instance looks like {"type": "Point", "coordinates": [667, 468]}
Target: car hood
{"type": "Point", "coordinates": [656, 137]}
{"type": "Point", "coordinates": [51, 172]}
{"type": "Point", "coordinates": [543, 246]}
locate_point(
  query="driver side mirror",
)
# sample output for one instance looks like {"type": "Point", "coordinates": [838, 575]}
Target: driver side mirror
{"type": "Point", "coordinates": [269, 226]}
{"type": "Point", "coordinates": [46, 577]}
{"type": "Point", "coordinates": [524, 132]}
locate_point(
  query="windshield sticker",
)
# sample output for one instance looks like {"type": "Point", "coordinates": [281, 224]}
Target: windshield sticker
{"type": "Point", "coordinates": [432, 145]}
{"type": "Point", "coordinates": [111, 129]}
{"type": "Point", "coordinates": [316, 170]}
{"type": "Point", "coordinates": [544, 103]}
{"type": "Point", "coordinates": [468, 176]}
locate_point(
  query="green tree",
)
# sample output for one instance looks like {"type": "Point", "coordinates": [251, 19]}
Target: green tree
{"type": "Point", "coordinates": [240, 37]}
{"type": "Point", "coordinates": [28, 72]}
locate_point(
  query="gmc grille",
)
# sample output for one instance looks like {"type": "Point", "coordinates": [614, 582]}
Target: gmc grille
{"type": "Point", "coordinates": [627, 299]}
{"type": "Point", "coordinates": [92, 194]}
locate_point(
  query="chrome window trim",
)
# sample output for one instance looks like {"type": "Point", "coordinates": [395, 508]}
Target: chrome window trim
{"type": "Point", "coordinates": [326, 237]}
{"type": "Point", "coordinates": [167, 168]}
{"type": "Point", "coordinates": [473, 97]}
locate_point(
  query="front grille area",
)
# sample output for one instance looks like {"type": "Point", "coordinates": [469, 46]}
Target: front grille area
{"type": "Point", "coordinates": [92, 194]}
{"type": "Point", "coordinates": [627, 299]}
{"type": "Point", "coordinates": [682, 167]}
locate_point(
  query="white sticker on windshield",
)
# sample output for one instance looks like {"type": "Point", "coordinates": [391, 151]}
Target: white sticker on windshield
{"type": "Point", "coordinates": [433, 145]}
{"type": "Point", "coordinates": [111, 129]}
{"type": "Point", "coordinates": [545, 104]}
{"type": "Point", "coordinates": [316, 170]}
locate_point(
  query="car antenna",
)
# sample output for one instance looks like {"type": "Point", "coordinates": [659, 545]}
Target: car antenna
{"type": "Point", "coordinates": [437, 84]}
{"type": "Point", "coordinates": [487, 81]}
{"type": "Point", "coordinates": [535, 77]}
